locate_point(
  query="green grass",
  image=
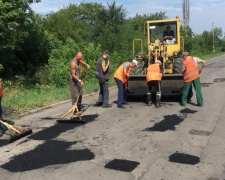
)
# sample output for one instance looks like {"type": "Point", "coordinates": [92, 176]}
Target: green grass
{"type": "Point", "coordinates": [23, 100]}
{"type": "Point", "coordinates": [211, 55]}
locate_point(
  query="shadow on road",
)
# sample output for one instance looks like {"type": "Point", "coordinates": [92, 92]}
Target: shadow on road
{"type": "Point", "coordinates": [169, 123]}
{"type": "Point", "coordinates": [3, 142]}
{"type": "Point", "coordinates": [52, 152]}
{"type": "Point", "coordinates": [57, 129]}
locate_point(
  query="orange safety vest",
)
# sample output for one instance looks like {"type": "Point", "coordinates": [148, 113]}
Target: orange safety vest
{"type": "Point", "coordinates": [119, 74]}
{"type": "Point", "coordinates": [191, 70]}
{"type": "Point", "coordinates": [153, 73]}
{"type": "Point", "coordinates": [1, 94]}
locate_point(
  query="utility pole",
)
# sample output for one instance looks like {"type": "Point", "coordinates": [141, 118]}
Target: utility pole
{"type": "Point", "coordinates": [213, 36]}
{"type": "Point", "coordinates": [186, 14]}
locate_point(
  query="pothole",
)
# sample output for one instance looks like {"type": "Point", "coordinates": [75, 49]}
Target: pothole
{"type": "Point", "coordinates": [122, 165]}
{"type": "Point", "coordinates": [200, 132]}
{"type": "Point", "coordinates": [205, 84]}
{"type": "Point", "coordinates": [219, 80]}
{"type": "Point", "coordinates": [184, 158]}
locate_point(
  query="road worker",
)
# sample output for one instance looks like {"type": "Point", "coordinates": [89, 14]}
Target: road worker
{"type": "Point", "coordinates": [102, 74]}
{"type": "Point", "coordinates": [153, 79]}
{"type": "Point", "coordinates": [191, 73]}
{"type": "Point", "coordinates": [74, 80]}
{"type": "Point", "coordinates": [121, 76]}
{"type": "Point", "coordinates": [168, 34]}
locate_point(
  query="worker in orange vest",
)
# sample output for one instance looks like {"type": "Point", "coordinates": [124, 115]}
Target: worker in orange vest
{"type": "Point", "coordinates": [1, 95]}
{"type": "Point", "coordinates": [191, 73]}
{"type": "Point", "coordinates": [153, 79]}
{"type": "Point", "coordinates": [121, 76]}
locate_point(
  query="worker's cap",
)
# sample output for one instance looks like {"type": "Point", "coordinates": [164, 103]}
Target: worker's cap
{"type": "Point", "coordinates": [135, 62]}
{"type": "Point", "coordinates": [106, 51]}
{"type": "Point", "coordinates": [185, 54]}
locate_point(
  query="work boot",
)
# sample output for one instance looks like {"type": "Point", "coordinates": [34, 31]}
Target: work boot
{"type": "Point", "coordinates": [106, 106]}
{"type": "Point", "coordinates": [149, 98]}
{"type": "Point", "coordinates": [158, 104]}
{"type": "Point", "coordinates": [98, 104]}
{"type": "Point", "coordinates": [121, 106]}
{"type": "Point", "coordinates": [150, 103]}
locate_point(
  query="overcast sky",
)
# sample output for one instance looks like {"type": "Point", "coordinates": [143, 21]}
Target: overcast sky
{"type": "Point", "coordinates": [202, 12]}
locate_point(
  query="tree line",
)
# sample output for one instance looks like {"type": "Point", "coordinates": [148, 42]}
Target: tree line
{"type": "Point", "coordinates": [38, 48]}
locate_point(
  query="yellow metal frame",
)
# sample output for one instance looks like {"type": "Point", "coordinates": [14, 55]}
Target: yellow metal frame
{"type": "Point", "coordinates": [141, 46]}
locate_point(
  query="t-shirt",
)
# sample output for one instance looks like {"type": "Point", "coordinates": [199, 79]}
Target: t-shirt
{"type": "Point", "coordinates": [126, 65]}
{"type": "Point", "coordinates": [170, 33]}
{"type": "Point", "coordinates": [103, 63]}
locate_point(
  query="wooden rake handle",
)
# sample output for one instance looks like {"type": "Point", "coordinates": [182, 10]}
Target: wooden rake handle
{"type": "Point", "coordinates": [75, 104]}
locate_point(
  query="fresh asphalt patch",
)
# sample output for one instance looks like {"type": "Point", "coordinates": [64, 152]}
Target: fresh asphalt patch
{"type": "Point", "coordinates": [52, 152]}
{"type": "Point", "coordinates": [184, 158]}
{"type": "Point", "coordinates": [122, 165]}
{"type": "Point", "coordinates": [169, 123]}
{"type": "Point", "coordinates": [188, 111]}
{"type": "Point", "coordinates": [199, 132]}
{"type": "Point", "coordinates": [55, 130]}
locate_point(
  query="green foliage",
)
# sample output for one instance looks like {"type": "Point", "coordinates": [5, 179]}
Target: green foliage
{"type": "Point", "coordinates": [15, 26]}
{"type": "Point", "coordinates": [59, 62]}
{"type": "Point", "coordinates": [1, 67]}
{"type": "Point", "coordinates": [36, 51]}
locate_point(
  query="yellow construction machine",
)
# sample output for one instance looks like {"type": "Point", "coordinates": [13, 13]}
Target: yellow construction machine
{"type": "Point", "coordinates": [157, 47]}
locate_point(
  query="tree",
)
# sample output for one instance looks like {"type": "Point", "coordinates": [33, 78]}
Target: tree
{"type": "Point", "coordinates": [14, 22]}
{"type": "Point", "coordinates": [14, 18]}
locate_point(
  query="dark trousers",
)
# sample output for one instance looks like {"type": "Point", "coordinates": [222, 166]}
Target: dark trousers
{"type": "Point", "coordinates": [104, 93]}
{"type": "Point", "coordinates": [75, 89]}
{"type": "Point", "coordinates": [122, 96]}
{"type": "Point", "coordinates": [157, 85]}
{"type": "Point", "coordinates": [190, 93]}
{"type": "Point", "coordinates": [0, 106]}
{"type": "Point", "coordinates": [197, 87]}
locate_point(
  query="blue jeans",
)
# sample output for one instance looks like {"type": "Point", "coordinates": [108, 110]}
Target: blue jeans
{"type": "Point", "coordinates": [122, 96]}
{"type": "Point", "coordinates": [104, 93]}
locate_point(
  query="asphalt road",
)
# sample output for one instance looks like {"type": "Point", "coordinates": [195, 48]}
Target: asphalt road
{"type": "Point", "coordinates": [140, 142]}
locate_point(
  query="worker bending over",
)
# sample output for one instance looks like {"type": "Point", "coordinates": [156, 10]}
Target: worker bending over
{"type": "Point", "coordinates": [191, 73]}
{"type": "Point", "coordinates": [121, 76]}
{"type": "Point", "coordinates": [153, 78]}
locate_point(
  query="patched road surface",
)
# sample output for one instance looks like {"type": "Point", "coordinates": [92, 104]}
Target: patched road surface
{"type": "Point", "coordinates": [140, 142]}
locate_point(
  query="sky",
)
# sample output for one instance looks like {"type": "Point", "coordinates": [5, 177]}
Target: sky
{"type": "Point", "coordinates": [203, 13]}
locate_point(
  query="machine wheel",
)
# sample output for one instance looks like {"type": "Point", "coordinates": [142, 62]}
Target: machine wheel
{"type": "Point", "coordinates": [178, 66]}
{"type": "Point", "coordinates": [138, 69]}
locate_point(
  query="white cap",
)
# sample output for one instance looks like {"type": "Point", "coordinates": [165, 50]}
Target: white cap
{"type": "Point", "coordinates": [135, 62]}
